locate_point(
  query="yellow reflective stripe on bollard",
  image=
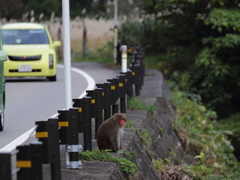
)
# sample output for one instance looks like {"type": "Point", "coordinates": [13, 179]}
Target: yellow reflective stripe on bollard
{"type": "Point", "coordinates": [126, 80]}
{"type": "Point", "coordinates": [120, 84]}
{"type": "Point", "coordinates": [113, 87]}
{"type": "Point", "coordinates": [124, 55]}
{"type": "Point", "coordinates": [133, 73]}
{"type": "Point", "coordinates": [63, 123]}
{"type": "Point", "coordinates": [93, 101]}
{"type": "Point", "coordinates": [80, 109]}
{"type": "Point", "coordinates": [24, 164]}
{"type": "Point", "coordinates": [102, 93]}
{"type": "Point", "coordinates": [41, 134]}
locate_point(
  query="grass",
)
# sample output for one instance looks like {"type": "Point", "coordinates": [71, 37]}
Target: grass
{"type": "Point", "coordinates": [96, 155]}
{"type": "Point", "coordinates": [137, 103]}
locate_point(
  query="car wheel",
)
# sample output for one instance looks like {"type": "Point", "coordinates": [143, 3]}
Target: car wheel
{"type": "Point", "coordinates": [52, 78]}
{"type": "Point", "coordinates": [2, 118]}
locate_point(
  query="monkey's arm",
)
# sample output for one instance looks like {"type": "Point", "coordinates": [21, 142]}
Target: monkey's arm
{"type": "Point", "coordinates": [121, 146]}
{"type": "Point", "coordinates": [114, 141]}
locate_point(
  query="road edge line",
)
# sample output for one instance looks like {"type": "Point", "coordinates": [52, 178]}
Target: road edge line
{"type": "Point", "coordinates": [25, 136]}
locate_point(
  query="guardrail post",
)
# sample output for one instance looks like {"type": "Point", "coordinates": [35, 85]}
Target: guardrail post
{"type": "Point", "coordinates": [114, 96]}
{"type": "Point", "coordinates": [122, 92]}
{"type": "Point", "coordinates": [5, 166]}
{"type": "Point", "coordinates": [73, 147]}
{"type": "Point", "coordinates": [78, 104]}
{"type": "Point", "coordinates": [96, 106]}
{"type": "Point", "coordinates": [107, 109]}
{"type": "Point", "coordinates": [37, 153]}
{"type": "Point", "coordinates": [129, 83]}
{"type": "Point", "coordinates": [92, 94]}
{"type": "Point", "coordinates": [83, 106]}
{"type": "Point", "coordinates": [106, 99]}
{"type": "Point", "coordinates": [47, 133]}
{"type": "Point", "coordinates": [139, 59]}
{"type": "Point", "coordinates": [88, 123]}
{"type": "Point", "coordinates": [136, 77]}
{"type": "Point", "coordinates": [63, 123]}
{"type": "Point", "coordinates": [24, 162]}
{"type": "Point", "coordinates": [99, 99]}
{"type": "Point", "coordinates": [29, 160]}
{"type": "Point", "coordinates": [119, 54]}
{"type": "Point", "coordinates": [68, 133]}
{"type": "Point", "coordinates": [131, 50]}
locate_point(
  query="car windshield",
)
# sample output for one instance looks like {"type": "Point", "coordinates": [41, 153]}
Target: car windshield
{"type": "Point", "coordinates": [24, 36]}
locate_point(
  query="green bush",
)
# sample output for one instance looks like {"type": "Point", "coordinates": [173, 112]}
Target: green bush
{"type": "Point", "coordinates": [104, 55]}
{"type": "Point", "coordinates": [197, 126]}
{"type": "Point", "coordinates": [232, 123]}
{"type": "Point", "coordinates": [127, 166]}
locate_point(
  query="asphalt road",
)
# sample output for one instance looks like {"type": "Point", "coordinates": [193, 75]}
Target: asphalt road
{"type": "Point", "coordinates": [35, 99]}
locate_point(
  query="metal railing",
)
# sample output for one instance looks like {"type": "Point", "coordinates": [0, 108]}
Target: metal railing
{"type": "Point", "coordinates": [101, 103]}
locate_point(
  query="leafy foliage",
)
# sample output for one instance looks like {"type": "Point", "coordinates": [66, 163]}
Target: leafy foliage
{"type": "Point", "coordinates": [130, 32]}
{"type": "Point", "coordinates": [168, 171]}
{"type": "Point", "coordinates": [127, 166]}
{"type": "Point", "coordinates": [232, 123]}
{"type": "Point", "coordinates": [224, 18]}
{"type": "Point", "coordinates": [161, 163]}
{"type": "Point", "coordinates": [127, 154]}
{"type": "Point", "coordinates": [197, 45]}
{"type": "Point", "coordinates": [145, 136]}
{"type": "Point", "coordinates": [197, 126]}
{"type": "Point", "coordinates": [96, 154]}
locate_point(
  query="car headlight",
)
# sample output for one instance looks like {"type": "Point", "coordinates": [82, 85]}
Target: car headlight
{"type": "Point", "coordinates": [50, 57]}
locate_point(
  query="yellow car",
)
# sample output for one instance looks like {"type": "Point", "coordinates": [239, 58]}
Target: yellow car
{"type": "Point", "coordinates": [30, 49]}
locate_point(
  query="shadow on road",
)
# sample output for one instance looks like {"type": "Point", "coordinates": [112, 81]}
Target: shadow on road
{"type": "Point", "coordinates": [27, 79]}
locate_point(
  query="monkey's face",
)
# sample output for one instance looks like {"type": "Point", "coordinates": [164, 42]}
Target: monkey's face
{"type": "Point", "coordinates": [122, 122]}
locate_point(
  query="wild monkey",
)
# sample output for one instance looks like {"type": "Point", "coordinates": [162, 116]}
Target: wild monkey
{"type": "Point", "coordinates": [110, 133]}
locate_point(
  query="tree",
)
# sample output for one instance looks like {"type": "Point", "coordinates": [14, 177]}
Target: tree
{"type": "Point", "coordinates": [11, 9]}
{"type": "Point", "coordinates": [202, 46]}
{"type": "Point", "coordinates": [77, 6]}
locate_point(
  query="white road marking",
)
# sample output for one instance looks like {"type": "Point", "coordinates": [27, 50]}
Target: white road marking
{"type": "Point", "coordinates": [31, 132]}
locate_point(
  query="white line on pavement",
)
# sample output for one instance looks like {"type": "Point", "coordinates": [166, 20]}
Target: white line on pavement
{"type": "Point", "coordinates": [24, 137]}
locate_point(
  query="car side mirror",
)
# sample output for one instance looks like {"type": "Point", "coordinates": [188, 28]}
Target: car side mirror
{"type": "Point", "coordinates": [56, 43]}
{"type": "Point", "coordinates": [3, 56]}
